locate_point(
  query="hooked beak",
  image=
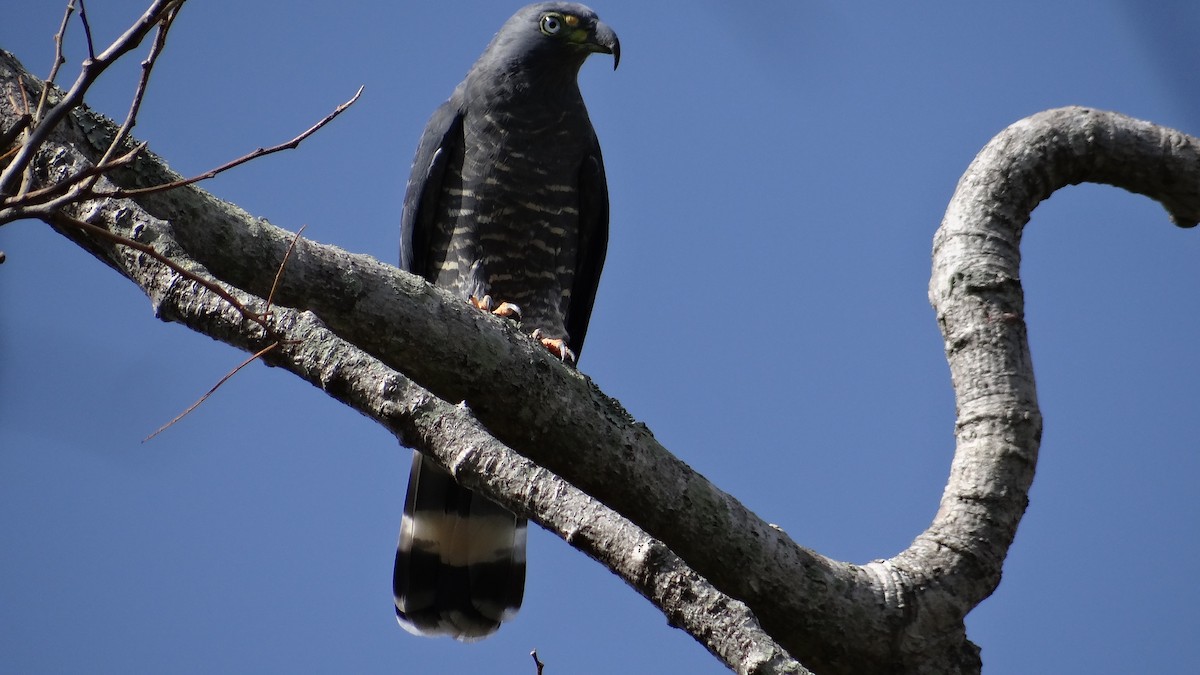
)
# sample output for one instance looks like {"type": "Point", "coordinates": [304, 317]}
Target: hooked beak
{"type": "Point", "coordinates": [605, 41]}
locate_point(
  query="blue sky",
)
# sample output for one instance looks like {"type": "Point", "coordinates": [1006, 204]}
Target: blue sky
{"type": "Point", "coordinates": [776, 170]}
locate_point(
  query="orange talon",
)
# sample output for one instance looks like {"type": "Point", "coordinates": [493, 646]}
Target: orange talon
{"type": "Point", "coordinates": [556, 346]}
{"type": "Point", "coordinates": [506, 310]}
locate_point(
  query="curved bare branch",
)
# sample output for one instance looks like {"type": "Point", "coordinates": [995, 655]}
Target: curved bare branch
{"type": "Point", "coordinates": [976, 291]}
{"type": "Point", "coordinates": [370, 332]}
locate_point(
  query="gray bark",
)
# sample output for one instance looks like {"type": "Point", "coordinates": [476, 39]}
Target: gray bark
{"type": "Point", "coordinates": [543, 440]}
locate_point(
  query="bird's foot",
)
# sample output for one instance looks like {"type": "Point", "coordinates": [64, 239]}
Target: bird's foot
{"type": "Point", "coordinates": [556, 346]}
{"type": "Point", "coordinates": [506, 310]}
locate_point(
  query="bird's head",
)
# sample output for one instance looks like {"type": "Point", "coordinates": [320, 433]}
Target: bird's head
{"type": "Point", "coordinates": [565, 32]}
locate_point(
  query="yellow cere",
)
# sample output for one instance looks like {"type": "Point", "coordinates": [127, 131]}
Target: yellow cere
{"type": "Point", "coordinates": [571, 20]}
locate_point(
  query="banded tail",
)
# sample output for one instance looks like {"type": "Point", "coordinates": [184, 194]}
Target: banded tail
{"type": "Point", "coordinates": [460, 560]}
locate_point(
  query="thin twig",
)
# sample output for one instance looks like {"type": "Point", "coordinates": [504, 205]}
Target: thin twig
{"type": "Point", "coordinates": [23, 122]}
{"type": "Point", "coordinates": [160, 41]}
{"type": "Point", "coordinates": [92, 69]}
{"type": "Point", "coordinates": [22, 165]}
{"type": "Point", "coordinates": [537, 661]}
{"type": "Point", "coordinates": [81, 184]}
{"type": "Point", "coordinates": [9, 136]}
{"type": "Point", "coordinates": [87, 30]}
{"type": "Point", "coordinates": [273, 345]}
{"type": "Point", "coordinates": [59, 58]}
{"type": "Point", "coordinates": [279, 273]}
{"type": "Point", "coordinates": [215, 387]}
{"type": "Point", "coordinates": [24, 96]}
{"type": "Point", "coordinates": [260, 152]}
{"type": "Point", "coordinates": [63, 187]}
{"type": "Point", "coordinates": [62, 220]}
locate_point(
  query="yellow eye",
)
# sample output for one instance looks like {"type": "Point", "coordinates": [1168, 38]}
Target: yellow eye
{"type": "Point", "coordinates": [551, 24]}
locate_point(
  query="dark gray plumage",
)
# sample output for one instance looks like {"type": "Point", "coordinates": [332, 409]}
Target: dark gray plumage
{"type": "Point", "coordinates": [506, 203]}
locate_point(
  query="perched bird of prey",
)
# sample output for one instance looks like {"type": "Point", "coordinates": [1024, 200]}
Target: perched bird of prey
{"type": "Point", "coordinates": [507, 207]}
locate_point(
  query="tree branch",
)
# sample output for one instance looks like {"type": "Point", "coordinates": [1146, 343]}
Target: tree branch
{"type": "Point", "coordinates": [91, 70]}
{"type": "Point", "coordinates": [119, 232]}
{"type": "Point", "coordinates": [976, 291]}
{"type": "Point", "coordinates": [543, 440]}
{"type": "Point", "coordinates": [529, 401]}
{"type": "Point", "coordinates": [250, 156]}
